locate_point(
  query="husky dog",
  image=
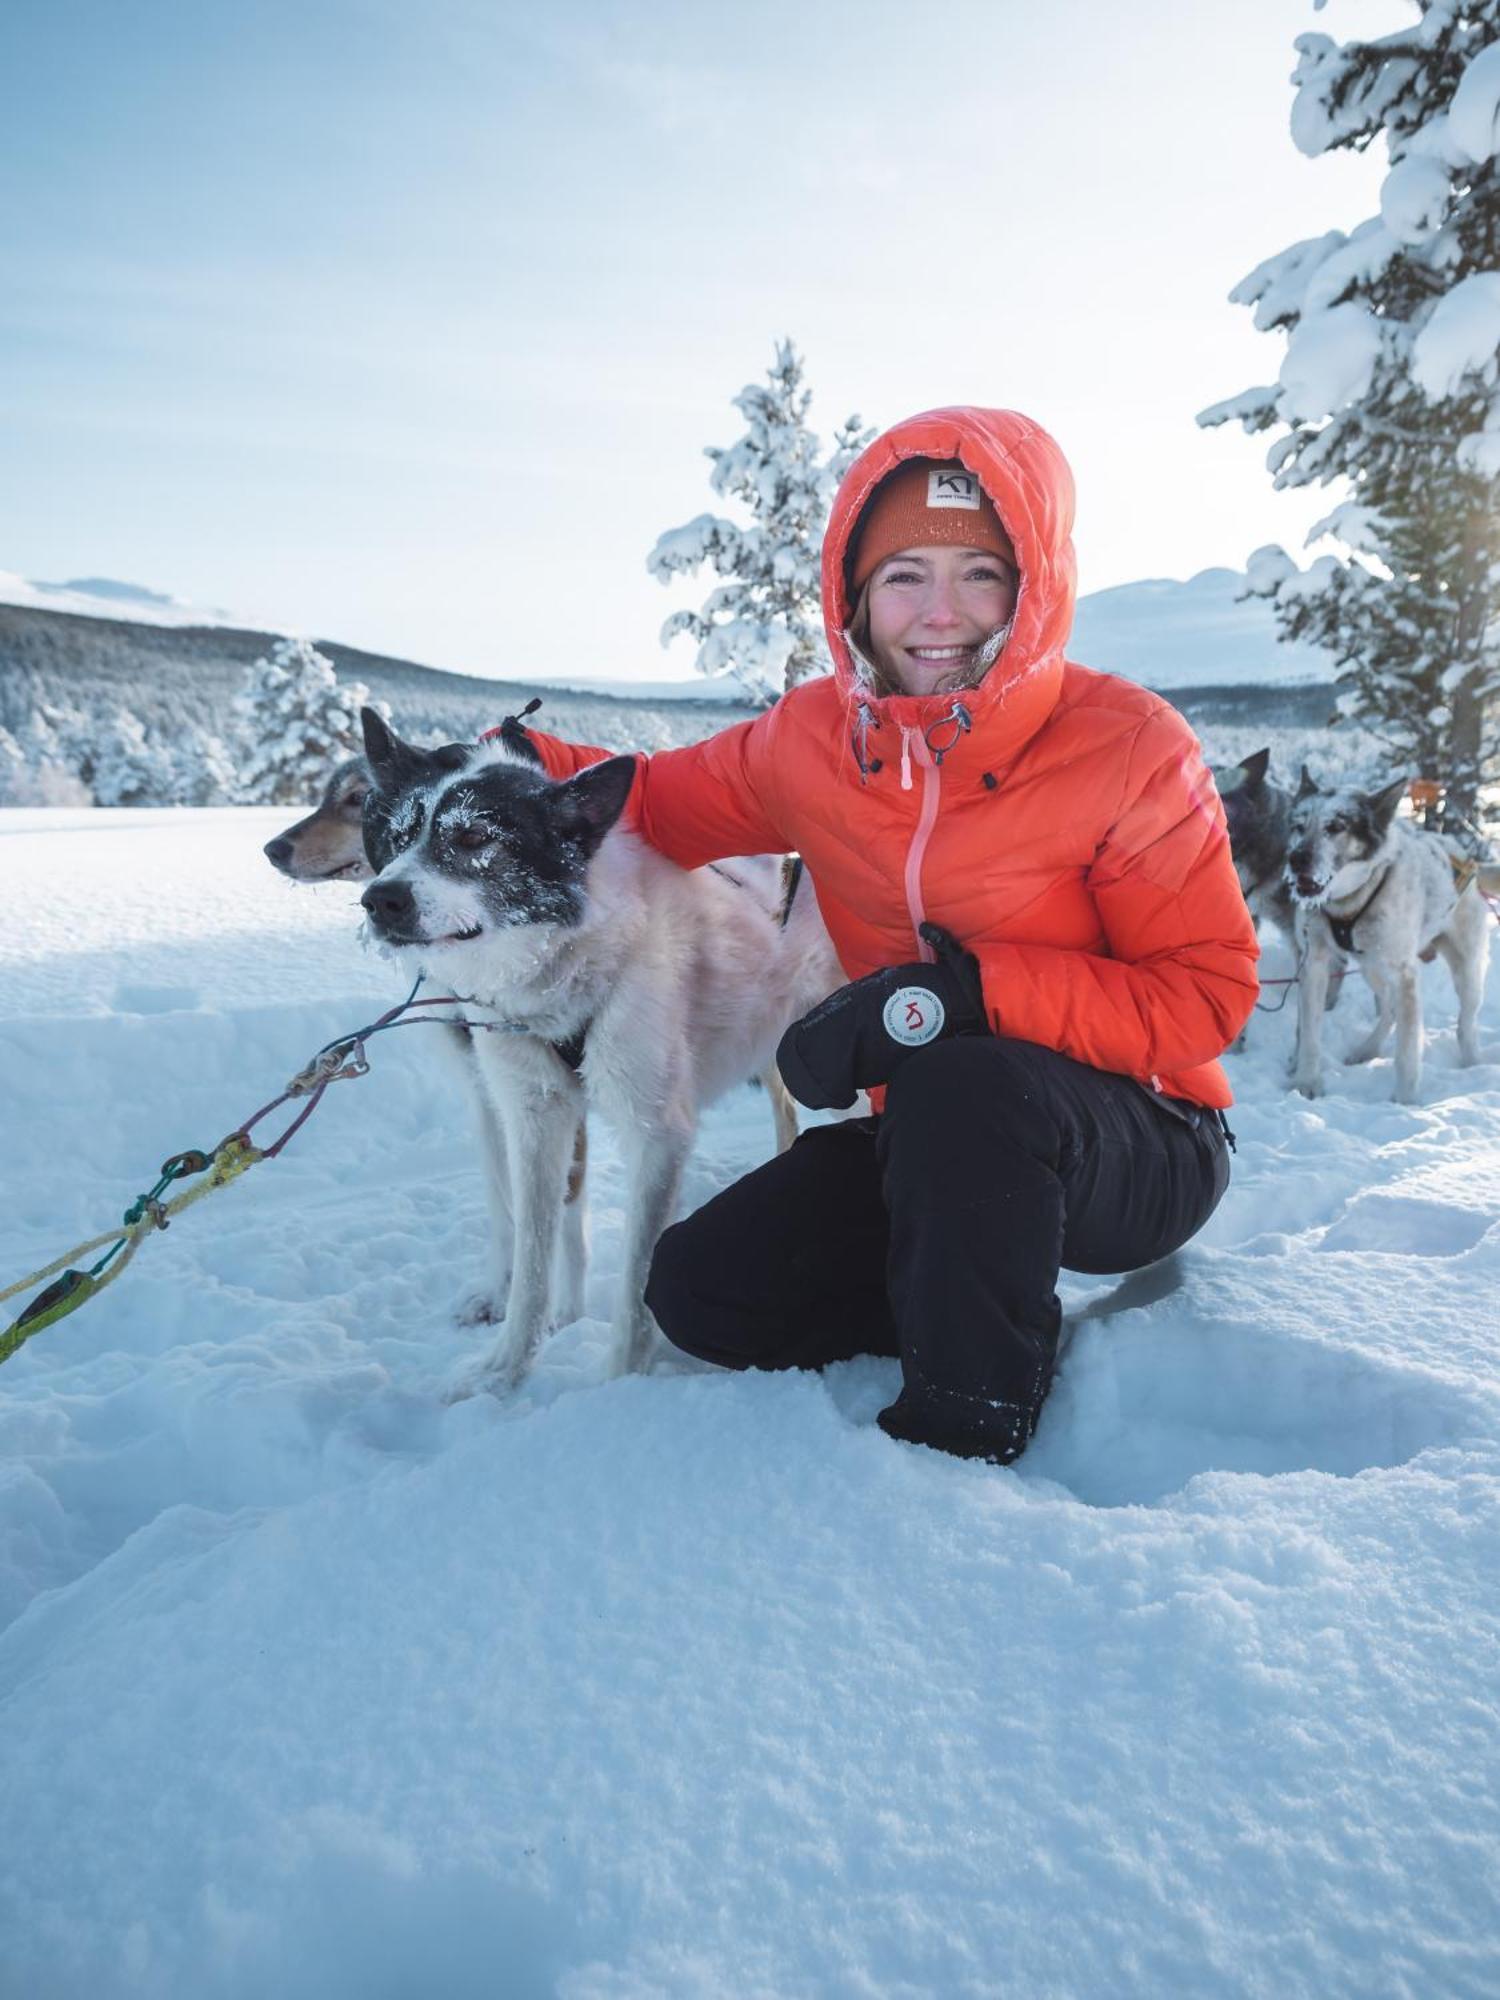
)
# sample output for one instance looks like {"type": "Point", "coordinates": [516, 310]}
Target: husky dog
{"type": "Point", "coordinates": [1382, 891]}
{"type": "Point", "coordinates": [607, 977]}
{"type": "Point", "coordinates": [328, 846]}
{"type": "Point", "coordinates": [1258, 813]}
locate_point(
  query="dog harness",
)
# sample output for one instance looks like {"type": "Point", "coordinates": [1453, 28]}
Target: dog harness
{"type": "Point", "coordinates": [1343, 927]}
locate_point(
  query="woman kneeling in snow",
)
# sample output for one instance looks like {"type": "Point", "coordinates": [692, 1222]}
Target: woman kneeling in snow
{"type": "Point", "coordinates": [1024, 868]}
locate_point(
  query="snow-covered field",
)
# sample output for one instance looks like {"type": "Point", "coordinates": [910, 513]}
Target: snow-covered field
{"type": "Point", "coordinates": [697, 1684]}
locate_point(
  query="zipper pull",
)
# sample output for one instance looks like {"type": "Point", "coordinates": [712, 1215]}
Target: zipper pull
{"type": "Point", "coordinates": [905, 759]}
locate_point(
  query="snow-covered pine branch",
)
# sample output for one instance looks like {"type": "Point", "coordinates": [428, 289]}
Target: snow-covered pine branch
{"type": "Point", "coordinates": [1390, 389]}
{"type": "Point", "coordinates": [763, 624]}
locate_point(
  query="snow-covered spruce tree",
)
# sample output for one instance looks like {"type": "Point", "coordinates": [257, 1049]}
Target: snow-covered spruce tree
{"type": "Point", "coordinates": [1391, 386]}
{"type": "Point", "coordinates": [12, 769]}
{"type": "Point", "coordinates": [203, 772]}
{"type": "Point", "coordinates": [126, 767]}
{"type": "Point", "coordinates": [296, 722]}
{"type": "Point", "coordinates": [764, 624]}
{"type": "Point", "coordinates": [37, 764]}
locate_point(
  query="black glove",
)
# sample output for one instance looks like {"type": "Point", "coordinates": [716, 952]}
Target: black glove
{"type": "Point", "coordinates": [861, 1035]}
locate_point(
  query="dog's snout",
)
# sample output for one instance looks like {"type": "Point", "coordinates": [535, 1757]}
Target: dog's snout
{"type": "Point", "coordinates": [278, 851]}
{"type": "Point", "coordinates": [389, 903]}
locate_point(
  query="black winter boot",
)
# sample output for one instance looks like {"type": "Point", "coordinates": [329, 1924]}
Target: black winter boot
{"type": "Point", "coordinates": [963, 1426]}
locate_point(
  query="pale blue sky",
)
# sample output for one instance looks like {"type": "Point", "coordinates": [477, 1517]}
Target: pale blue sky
{"type": "Point", "coordinates": [406, 325]}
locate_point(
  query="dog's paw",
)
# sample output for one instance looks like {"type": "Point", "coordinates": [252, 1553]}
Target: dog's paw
{"type": "Point", "coordinates": [479, 1309]}
{"type": "Point", "coordinates": [479, 1378]}
{"type": "Point", "coordinates": [1308, 1086]}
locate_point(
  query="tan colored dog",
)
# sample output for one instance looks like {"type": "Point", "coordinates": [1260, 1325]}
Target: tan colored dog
{"type": "Point", "coordinates": [328, 845]}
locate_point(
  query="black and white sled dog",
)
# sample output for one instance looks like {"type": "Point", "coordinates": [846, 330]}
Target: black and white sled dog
{"type": "Point", "coordinates": [1388, 894]}
{"type": "Point", "coordinates": [609, 979]}
{"type": "Point", "coordinates": [328, 845]}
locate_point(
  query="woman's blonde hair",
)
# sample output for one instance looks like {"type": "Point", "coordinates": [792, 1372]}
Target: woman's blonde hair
{"type": "Point", "coordinates": [867, 667]}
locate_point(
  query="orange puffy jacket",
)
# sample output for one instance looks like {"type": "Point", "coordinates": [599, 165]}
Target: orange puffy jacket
{"type": "Point", "coordinates": [1060, 822]}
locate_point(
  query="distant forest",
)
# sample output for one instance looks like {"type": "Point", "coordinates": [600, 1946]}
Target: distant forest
{"type": "Point", "coordinates": [169, 676]}
{"type": "Point", "coordinates": [135, 713]}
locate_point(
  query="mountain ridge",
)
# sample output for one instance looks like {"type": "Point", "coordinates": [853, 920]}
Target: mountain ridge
{"type": "Point", "coordinates": [1165, 632]}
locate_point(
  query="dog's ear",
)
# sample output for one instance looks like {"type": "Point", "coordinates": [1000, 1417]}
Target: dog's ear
{"type": "Point", "coordinates": [396, 765]}
{"type": "Point", "coordinates": [1307, 784]}
{"type": "Point", "coordinates": [387, 754]}
{"type": "Point", "coordinates": [586, 806]}
{"type": "Point", "coordinates": [1382, 805]}
{"type": "Point", "coordinates": [1255, 768]}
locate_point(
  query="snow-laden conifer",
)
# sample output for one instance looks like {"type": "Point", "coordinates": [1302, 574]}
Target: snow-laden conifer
{"type": "Point", "coordinates": [126, 767]}
{"type": "Point", "coordinates": [296, 722]}
{"type": "Point", "coordinates": [203, 771]}
{"type": "Point", "coordinates": [1389, 391]}
{"type": "Point", "coordinates": [56, 746]}
{"type": "Point", "coordinates": [763, 624]}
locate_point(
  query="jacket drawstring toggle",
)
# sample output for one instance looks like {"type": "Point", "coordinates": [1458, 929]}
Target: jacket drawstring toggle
{"type": "Point", "coordinates": [959, 720]}
{"type": "Point", "coordinates": [905, 758]}
{"type": "Point", "coordinates": [864, 723]}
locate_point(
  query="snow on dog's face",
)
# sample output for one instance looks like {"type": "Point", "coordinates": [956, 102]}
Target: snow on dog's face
{"type": "Point", "coordinates": [473, 841]}
{"type": "Point", "coordinates": [1334, 836]}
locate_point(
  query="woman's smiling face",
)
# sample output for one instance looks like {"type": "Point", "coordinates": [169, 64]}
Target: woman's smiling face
{"type": "Point", "coordinates": [931, 609]}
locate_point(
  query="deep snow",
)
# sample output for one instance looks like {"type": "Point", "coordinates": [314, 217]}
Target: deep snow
{"type": "Point", "coordinates": [697, 1684]}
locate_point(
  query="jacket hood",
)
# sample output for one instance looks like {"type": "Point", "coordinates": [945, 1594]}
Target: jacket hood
{"type": "Point", "coordinates": [1026, 476]}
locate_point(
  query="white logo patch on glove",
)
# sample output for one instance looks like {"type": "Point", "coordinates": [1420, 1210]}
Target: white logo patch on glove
{"type": "Point", "coordinates": [913, 1015]}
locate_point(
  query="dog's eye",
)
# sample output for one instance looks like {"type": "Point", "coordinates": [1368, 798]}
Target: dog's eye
{"type": "Point", "coordinates": [474, 836]}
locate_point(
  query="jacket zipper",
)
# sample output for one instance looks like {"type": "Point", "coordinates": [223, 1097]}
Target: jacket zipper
{"type": "Point", "coordinates": [914, 744]}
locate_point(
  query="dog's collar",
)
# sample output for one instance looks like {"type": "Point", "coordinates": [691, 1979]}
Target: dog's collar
{"type": "Point", "coordinates": [1343, 927]}
{"type": "Point", "coordinates": [570, 1049]}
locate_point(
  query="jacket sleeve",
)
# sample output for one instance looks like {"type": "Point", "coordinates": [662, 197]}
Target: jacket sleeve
{"type": "Point", "coordinates": [700, 803]}
{"type": "Point", "coordinates": [1178, 981]}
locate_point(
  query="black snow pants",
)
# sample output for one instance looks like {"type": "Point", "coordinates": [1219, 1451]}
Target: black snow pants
{"type": "Point", "coordinates": [936, 1232]}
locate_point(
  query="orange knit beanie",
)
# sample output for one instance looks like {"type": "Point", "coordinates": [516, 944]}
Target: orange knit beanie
{"type": "Point", "coordinates": [923, 504]}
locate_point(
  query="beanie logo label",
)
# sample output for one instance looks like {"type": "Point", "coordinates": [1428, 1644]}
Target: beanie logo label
{"type": "Point", "coordinates": [951, 486]}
